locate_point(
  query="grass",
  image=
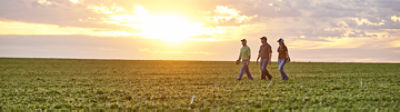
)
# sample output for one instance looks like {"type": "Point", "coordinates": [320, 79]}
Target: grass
{"type": "Point", "coordinates": [171, 85]}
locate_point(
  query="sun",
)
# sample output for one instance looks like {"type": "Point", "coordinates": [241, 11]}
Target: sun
{"type": "Point", "coordinates": [170, 28]}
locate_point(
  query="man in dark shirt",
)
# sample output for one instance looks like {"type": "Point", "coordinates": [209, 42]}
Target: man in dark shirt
{"type": "Point", "coordinates": [265, 55]}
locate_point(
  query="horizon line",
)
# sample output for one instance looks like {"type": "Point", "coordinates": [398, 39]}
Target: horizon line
{"type": "Point", "coordinates": [64, 58]}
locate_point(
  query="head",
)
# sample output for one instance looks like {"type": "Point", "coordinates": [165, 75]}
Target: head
{"type": "Point", "coordinates": [244, 42]}
{"type": "Point", "coordinates": [281, 41]}
{"type": "Point", "coordinates": [263, 40]}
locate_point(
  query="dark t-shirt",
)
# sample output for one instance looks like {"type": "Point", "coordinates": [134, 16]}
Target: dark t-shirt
{"type": "Point", "coordinates": [265, 51]}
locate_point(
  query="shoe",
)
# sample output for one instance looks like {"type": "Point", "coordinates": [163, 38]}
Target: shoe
{"type": "Point", "coordinates": [263, 77]}
{"type": "Point", "coordinates": [269, 77]}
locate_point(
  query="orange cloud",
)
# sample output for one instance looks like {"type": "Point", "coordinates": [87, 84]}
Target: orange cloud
{"type": "Point", "coordinates": [44, 2]}
{"type": "Point", "coordinates": [175, 27]}
{"type": "Point", "coordinates": [21, 28]}
{"type": "Point", "coordinates": [226, 14]}
{"type": "Point", "coordinates": [74, 1]}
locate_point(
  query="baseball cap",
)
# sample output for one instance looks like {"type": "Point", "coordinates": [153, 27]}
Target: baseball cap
{"type": "Point", "coordinates": [264, 38]}
{"type": "Point", "coordinates": [281, 40]}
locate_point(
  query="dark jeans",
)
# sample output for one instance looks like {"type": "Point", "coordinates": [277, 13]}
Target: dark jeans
{"type": "Point", "coordinates": [264, 70]}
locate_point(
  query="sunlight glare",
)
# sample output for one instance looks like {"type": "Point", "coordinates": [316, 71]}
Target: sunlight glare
{"type": "Point", "coordinates": [170, 28]}
{"type": "Point", "coordinates": [74, 1]}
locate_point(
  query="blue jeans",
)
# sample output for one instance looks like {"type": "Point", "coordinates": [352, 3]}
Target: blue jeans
{"type": "Point", "coordinates": [264, 70]}
{"type": "Point", "coordinates": [282, 63]}
{"type": "Point", "coordinates": [245, 68]}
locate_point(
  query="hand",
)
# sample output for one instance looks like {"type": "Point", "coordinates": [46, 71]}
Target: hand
{"type": "Point", "coordinates": [257, 61]}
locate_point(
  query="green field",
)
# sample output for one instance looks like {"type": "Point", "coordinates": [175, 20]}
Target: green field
{"type": "Point", "coordinates": [171, 85]}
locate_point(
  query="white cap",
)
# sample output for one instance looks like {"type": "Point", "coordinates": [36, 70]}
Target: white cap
{"type": "Point", "coordinates": [244, 40]}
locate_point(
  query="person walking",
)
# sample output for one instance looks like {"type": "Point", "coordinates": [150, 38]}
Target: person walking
{"type": "Point", "coordinates": [264, 53]}
{"type": "Point", "coordinates": [283, 58]}
{"type": "Point", "coordinates": [245, 57]}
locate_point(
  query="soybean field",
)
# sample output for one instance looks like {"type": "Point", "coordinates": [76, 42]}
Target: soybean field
{"type": "Point", "coordinates": [79, 84]}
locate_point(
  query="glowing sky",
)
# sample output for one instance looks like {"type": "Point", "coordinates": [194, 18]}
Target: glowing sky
{"type": "Point", "coordinates": [314, 30]}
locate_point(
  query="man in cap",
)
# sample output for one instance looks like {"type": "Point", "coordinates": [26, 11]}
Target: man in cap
{"type": "Point", "coordinates": [245, 56]}
{"type": "Point", "coordinates": [265, 54]}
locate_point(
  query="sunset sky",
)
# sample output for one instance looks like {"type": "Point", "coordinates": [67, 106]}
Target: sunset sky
{"type": "Point", "coordinates": [314, 30]}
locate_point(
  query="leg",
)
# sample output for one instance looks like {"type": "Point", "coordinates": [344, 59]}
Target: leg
{"type": "Point", "coordinates": [268, 74]}
{"type": "Point", "coordinates": [248, 71]}
{"type": "Point", "coordinates": [266, 71]}
{"type": "Point", "coordinates": [286, 76]}
{"type": "Point", "coordinates": [262, 68]}
{"type": "Point", "coordinates": [241, 71]}
{"type": "Point", "coordinates": [281, 70]}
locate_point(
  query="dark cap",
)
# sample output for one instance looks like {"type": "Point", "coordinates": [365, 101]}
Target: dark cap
{"type": "Point", "coordinates": [243, 40]}
{"type": "Point", "coordinates": [281, 40]}
{"type": "Point", "coordinates": [265, 38]}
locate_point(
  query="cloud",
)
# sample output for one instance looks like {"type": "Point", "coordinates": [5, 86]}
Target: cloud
{"type": "Point", "coordinates": [395, 18]}
{"type": "Point", "coordinates": [395, 43]}
{"type": "Point", "coordinates": [44, 2]}
{"type": "Point", "coordinates": [60, 12]}
{"type": "Point", "coordinates": [223, 23]}
{"type": "Point", "coordinates": [105, 9]}
{"type": "Point", "coordinates": [346, 55]}
{"type": "Point", "coordinates": [74, 46]}
{"type": "Point", "coordinates": [308, 25]}
{"type": "Point", "coordinates": [363, 21]}
{"type": "Point", "coordinates": [74, 1]}
{"type": "Point", "coordinates": [21, 28]}
{"type": "Point", "coordinates": [224, 14]}
{"type": "Point", "coordinates": [173, 52]}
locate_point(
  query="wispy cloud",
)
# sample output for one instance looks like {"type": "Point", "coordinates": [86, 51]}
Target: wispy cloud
{"type": "Point", "coordinates": [308, 25]}
{"type": "Point", "coordinates": [21, 28]}
{"type": "Point", "coordinates": [44, 2]}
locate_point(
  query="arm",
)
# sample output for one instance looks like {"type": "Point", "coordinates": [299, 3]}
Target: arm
{"type": "Point", "coordinates": [270, 55]}
{"type": "Point", "coordinates": [258, 57]}
{"type": "Point", "coordinates": [239, 57]}
{"type": "Point", "coordinates": [277, 50]}
{"type": "Point", "coordinates": [269, 58]}
{"type": "Point", "coordinates": [249, 57]}
{"type": "Point", "coordinates": [287, 52]}
{"type": "Point", "coordinates": [249, 61]}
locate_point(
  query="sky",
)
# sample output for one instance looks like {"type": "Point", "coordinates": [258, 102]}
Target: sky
{"type": "Point", "coordinates": [314, 30]}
